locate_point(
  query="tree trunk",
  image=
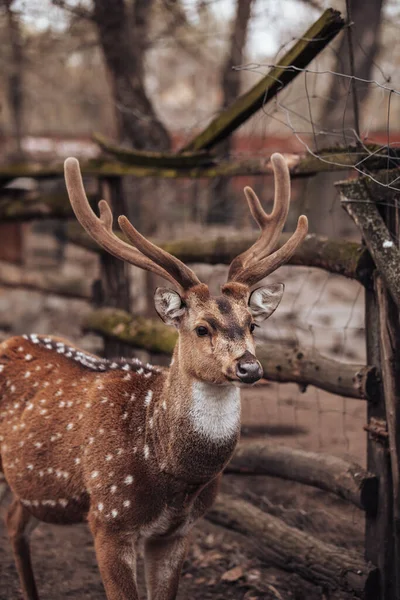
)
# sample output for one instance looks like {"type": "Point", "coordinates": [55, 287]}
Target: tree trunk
{"type": "Point", "coordinates": [337, 115]}
{"type": "Point", "coordinates": [123, 47]}
{"type": "Point", "coordinates": [221, 206]}
{"type": "Point", "coordinates": [15, 91]}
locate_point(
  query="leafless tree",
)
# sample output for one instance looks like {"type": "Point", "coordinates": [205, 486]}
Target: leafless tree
{"type": "Point", "coordinates": [220, 210]}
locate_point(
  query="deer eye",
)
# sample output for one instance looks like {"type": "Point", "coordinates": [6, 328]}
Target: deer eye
{"type": "Point", "coordinates": [201, 331]}
{"type": "Point", "coordinates": [252, 327]}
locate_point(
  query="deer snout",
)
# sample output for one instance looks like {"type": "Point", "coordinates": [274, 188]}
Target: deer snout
{"type": "Point", "coordinates": [248, 369]}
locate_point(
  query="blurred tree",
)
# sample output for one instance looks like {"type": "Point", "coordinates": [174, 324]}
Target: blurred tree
{"type": "Point", "coordinates": [15, 75]}
{"type": "Point", "coordinates": [123, 35]}
{"type": "Point", "coordinates": [365, 22]}
{"type": "Point", "coordinates": [340, 112]}
{"type": "Point", "coordinates": [220, 207]}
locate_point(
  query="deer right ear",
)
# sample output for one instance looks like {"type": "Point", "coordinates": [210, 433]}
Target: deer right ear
{"type": "Point", "coordinates": [169, 305]}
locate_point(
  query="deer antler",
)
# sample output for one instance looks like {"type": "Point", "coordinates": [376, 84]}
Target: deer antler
{"type": "Point", "coordinates": [256, 263]}
{"type": "Point", "coordinates": [148, 257]}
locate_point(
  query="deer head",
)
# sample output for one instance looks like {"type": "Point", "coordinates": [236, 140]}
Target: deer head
{"type": "Point", "coordinates": [216, 343]}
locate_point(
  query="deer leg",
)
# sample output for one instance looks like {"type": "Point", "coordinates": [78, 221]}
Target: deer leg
{"type": "Point", "coordinates": [116, 558]}
{"type": "Point", "coordinates": [164, 558]}
{"type": "Point", "coordinates": [3, 489]}
{"type": "Point", "coordinates": [20, 524]}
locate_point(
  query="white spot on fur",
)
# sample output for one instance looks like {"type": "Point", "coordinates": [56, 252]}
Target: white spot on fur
{"type": "Point", "coordinates": [70, 426]}
{"type": "Point", "coordinates": [94, 474]}
{"type": "Point", "coordinates": [100, 506]}
{"type": "Point", "coordinates": [28, 356]}
{"type": "Point", "coordinates": [215, 410]}
{"type": "Point", "coordinates": [113, 489]}
{"type": "Point", "coordinates": [127, 503]}
{"type": "Point", "coordinates": [146, 452]}
{"type": "Point", "coordinates": [114, 513]}
{"type": "Point", "coordinates": [109, 457]}
{"type": "Point", "coordinates": [149, 396]}
{"type": "Point", "coordinates": [128, 480]}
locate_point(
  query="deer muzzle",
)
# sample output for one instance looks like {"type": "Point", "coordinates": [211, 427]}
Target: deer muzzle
{"type": "Point", "coordinates": [248, 369]}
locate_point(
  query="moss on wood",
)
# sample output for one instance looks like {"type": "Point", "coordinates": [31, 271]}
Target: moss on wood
{"type": "Point", "coordinates": [144, 158]}
{"type": "Point", "coordinates": [138, 332]}
{"type": "Point", "coordinates": [308, 46]}
{"type": "Point", "coordinates": [336, 256]}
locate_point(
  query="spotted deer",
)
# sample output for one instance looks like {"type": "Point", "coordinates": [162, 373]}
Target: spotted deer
{"type": "Point", "coordinates": [134, 449]}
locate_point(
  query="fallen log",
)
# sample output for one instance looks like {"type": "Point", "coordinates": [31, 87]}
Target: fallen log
{"type": "Point", "coordinates": [287, 548]}
{"type": "Point", "coordinates": [44, 282]}
{"type": "Point", "coordinates": [345, 479]}
{"type": "Point", "coordinates": [349, 259]}
{"type": "Point", "coordinates": [306, 366]}
{"type": "Point", "coordinates": [280, 363]}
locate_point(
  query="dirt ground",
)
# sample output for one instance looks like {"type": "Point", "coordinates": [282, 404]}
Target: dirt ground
{"type": "Point", "coordinates": [318, 310]}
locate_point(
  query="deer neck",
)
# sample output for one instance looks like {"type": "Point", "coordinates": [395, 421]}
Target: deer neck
{"type": "Point", "coordinates": [202, 423]}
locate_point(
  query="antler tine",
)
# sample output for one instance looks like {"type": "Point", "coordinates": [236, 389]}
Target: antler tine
{"type": "Point", "coordinates": [100, 229]}
{"type": "Point", "coordinates": [256, 263]}
{"type": "Point", "coordinates": [271, 225]}
{"type": "Point", "coordinates": [267, 265]}
{"type": "Point", "coordinates": [173, 265]}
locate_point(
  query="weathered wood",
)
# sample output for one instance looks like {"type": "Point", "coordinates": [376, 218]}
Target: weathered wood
{"type": "Point", "coordinates": [390, 360]}
{"type": "Point", "coordinates": [137, 332]}
{"type": "Point", "coordinates": [300, 165]}
{"type": "Point", "coordinates": [308, 46]}
{"type": "Point", "coordinates": [306, 366]}
{"type": "Point", "coordinates": [45, 282]}
{"type": "Point", "coordinates": [288, 548]}
{"type": "Point", "coordinates": [345, 479]}
{"type": "Point", "coordinates": [336, 256]}
{"type": "Point", "coordinates": [146, 158]}
{"type": "Point", "coordinates": [295, 365]}
{"type": "Point", "coordinates": [362, 208]}
{"type": "Point", "coordinates": [379, 541]}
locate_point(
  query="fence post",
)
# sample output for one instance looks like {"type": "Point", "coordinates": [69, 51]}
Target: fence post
{"type": "Point", "coordinates": [374, 210]}
{"type": "Point", "coordinates": [379, 542]}
{"type": "Point", "coordinates": [113, 288]}
{"type": "Point", "coordinates": [390, 364]}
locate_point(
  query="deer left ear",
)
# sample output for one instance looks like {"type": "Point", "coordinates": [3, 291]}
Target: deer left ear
{"type": "Point", "coordinates": [169, 305]}
{"type": "Point", "coordinates": [265, 300]}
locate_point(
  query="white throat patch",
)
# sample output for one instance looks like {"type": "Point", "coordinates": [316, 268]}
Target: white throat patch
{"type": "Point", "coordinates": [215, 410]}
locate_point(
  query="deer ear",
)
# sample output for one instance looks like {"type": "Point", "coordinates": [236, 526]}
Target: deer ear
{"type": "Point", "coordinates": [264, 300]}
{"type": "Point", "coordinates": [169, 305]}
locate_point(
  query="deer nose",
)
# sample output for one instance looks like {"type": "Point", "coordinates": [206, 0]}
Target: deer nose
{"type": "Point", "coordinates": [248, 369]}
